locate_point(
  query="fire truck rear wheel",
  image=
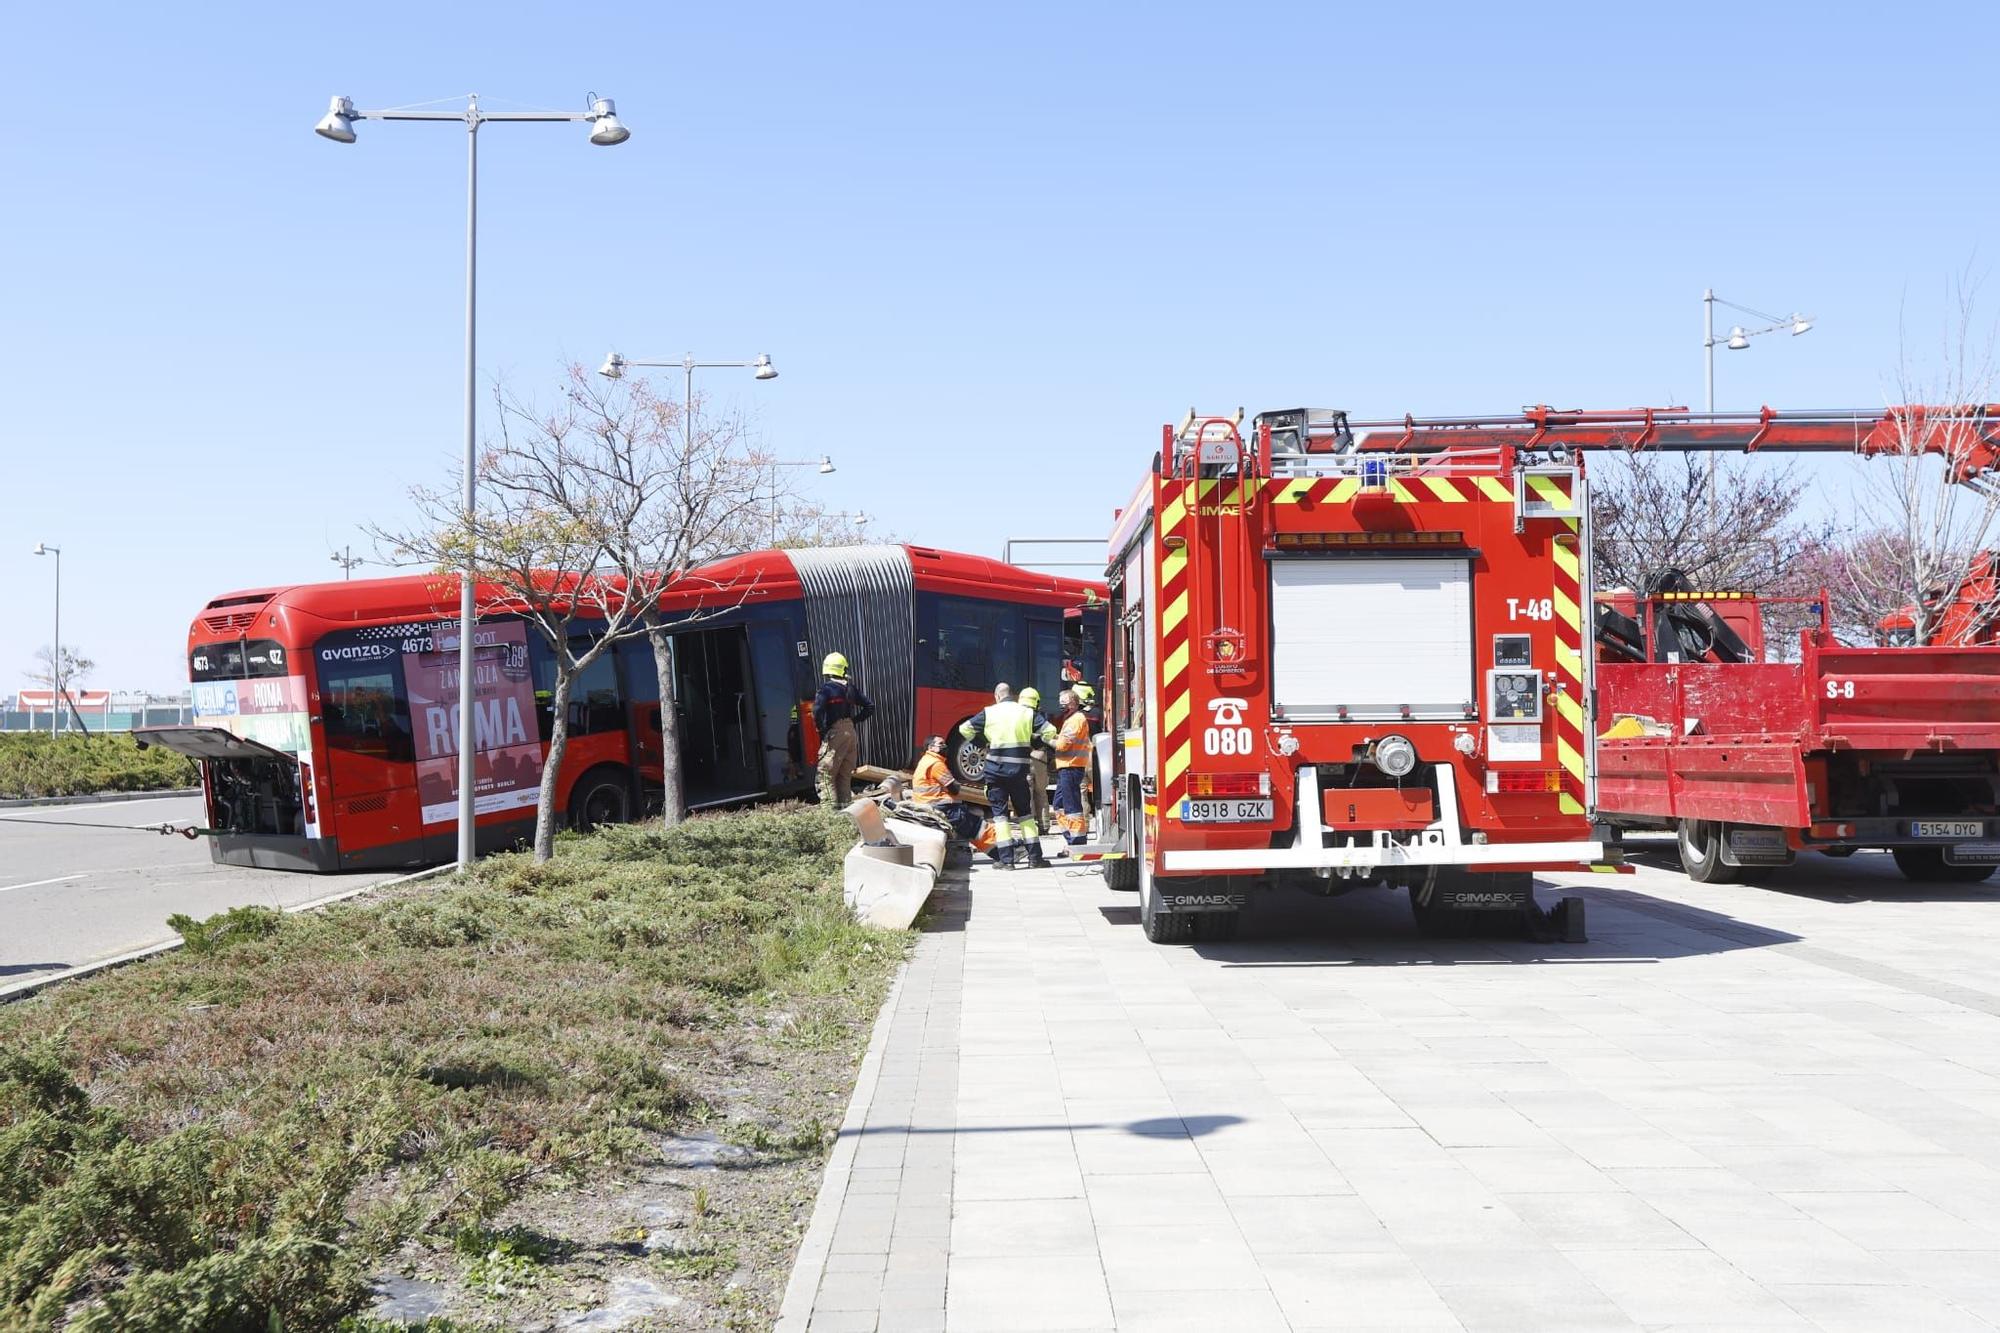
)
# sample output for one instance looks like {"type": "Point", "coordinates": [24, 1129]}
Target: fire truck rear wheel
{"type": "Point", "coordinates": [1701, 853]}
{"type": "Point", "coordinates": [1927, 865]}
{"type": "Point", "coordinates": [1121, 874]}
{"type": "Point", "coordinates": [1165, 927]}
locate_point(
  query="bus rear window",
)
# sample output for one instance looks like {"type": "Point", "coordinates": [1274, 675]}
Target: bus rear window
{"type": "Point", "coordinates": [238, 659]}
{"type": "Point", "coordinates": [364, 708]}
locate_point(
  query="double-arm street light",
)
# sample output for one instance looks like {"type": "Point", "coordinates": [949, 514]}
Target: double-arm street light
{"type": "Point", "coordinates": [824, 463]}
{"type": "Point", "coordinates": [55, 654]}
{"type": "Point", "coordinates": [615, 366]}
{"type": "Point", "coordinates": [605, 131]}
{"type": "Point", "coordinates": [1739, 337]}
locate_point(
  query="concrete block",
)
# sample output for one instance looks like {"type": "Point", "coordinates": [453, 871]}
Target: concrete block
{"type": "Point", "coordinates": [928, 842]}
{"type": "Point", "coordinates": [882, 893]}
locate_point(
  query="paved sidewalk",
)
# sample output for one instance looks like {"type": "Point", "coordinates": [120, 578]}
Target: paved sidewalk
{"type": "Point", "coordinates": [1736, 1107]}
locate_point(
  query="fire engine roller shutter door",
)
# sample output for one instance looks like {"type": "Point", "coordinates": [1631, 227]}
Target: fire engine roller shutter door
{"type": "Point", "coordinates": [1371, 634]}
{"type": "Point", "coordinates": [860, 601]}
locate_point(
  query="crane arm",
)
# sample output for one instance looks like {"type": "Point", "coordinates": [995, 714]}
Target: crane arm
{"type": "Point", "coordinates": [1967, 438]}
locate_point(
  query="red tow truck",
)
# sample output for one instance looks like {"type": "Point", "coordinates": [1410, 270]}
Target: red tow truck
{"type": "Point", "coordinates": [1750, 762]}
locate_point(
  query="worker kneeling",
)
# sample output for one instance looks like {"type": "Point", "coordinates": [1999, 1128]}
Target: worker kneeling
{"type": "Point", "coordinates": [1009, 728]}
{"type": "Point", "coordinates": [934, 788]}
{"type": "Point", "coordinates": [1072, 769]}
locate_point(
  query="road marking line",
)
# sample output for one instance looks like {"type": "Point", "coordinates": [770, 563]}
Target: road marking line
{"type": "Point", "coordinates": [37, 883]}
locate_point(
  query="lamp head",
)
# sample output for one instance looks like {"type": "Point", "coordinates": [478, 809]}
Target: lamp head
{"type": "Point", "coordinates": [1738, 340]}
{"type": "Point", "coordinates": [825, 464]}
{"type": "Point", "coordinates": [338, 122]}
{"type": "Point", "coordinates": [764, 369]}
{"type": "Point", "coordinates": [1800, 324]}
{"type": "Point", "coordinates": [605, 131]}
{"type": "Point", "coordinates": [43, 548]}
{"type": "Point", "coordinates": [613, 367]}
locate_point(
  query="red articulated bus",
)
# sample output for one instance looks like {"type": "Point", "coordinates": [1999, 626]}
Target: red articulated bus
{"type": "Point", "coordinates": [326, 714]}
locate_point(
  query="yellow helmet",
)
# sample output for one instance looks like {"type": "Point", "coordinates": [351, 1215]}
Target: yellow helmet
{"type": "Point", "coordinates": [835, 665]}
{"type": "Point", "coordinates": [1029, 698]}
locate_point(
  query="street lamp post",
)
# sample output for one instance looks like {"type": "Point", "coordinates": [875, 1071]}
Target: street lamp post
{"type": "Point", "coordinates": [615, 366]}
{"type": "Point", "coordinates": [825, 465]}
{"type": "Point", "coordinates": [347, 561]}
{"type": "Point", "coordinates": [55, 654]}
{"type": "Point", "coordinates": [1739, 337]}
{"type": "Point", "coordinates": [605, 131]}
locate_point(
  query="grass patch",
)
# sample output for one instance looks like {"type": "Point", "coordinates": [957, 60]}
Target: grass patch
{"type": "Point", "coordinates": [35, 765]}
{"type": "Point", "coordinates": [253, 1126]}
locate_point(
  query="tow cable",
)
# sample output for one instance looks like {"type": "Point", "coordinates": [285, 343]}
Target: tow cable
{"type": "Point", "coordinates": [165, 830]}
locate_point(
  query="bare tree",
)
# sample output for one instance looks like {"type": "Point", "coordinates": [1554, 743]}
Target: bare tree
{"type": "Point", "coordinates": [74, 668]}
{"type": "Point", "coordinates": [1932, 512]}
{"type": "Point", "coordinates": [60, 678]}
{"type": "Point", "coordinates": [680, 487]}
{"type": "Point", "coordinates": [1723, 523]}
{"type": "Point", "coordinates": [1726, 524]}
{"type": "Point", "coordinates": [589, 513]}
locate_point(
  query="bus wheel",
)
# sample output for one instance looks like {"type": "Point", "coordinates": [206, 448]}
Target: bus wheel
{"type": "Point", "coordinates": [1701, 853]}
{"type": "Point", "coordinates": [965, 757]}
{"type": "Point", "coordinates": [1927, 865]}
{"type": "Point", "coordinates": [601, 797]}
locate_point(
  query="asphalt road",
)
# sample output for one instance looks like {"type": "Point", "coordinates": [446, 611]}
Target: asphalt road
{"type": "Point", "coordinates": [77, 894]}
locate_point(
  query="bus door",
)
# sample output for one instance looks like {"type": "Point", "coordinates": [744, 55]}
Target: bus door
{"type": "Point", "coordinates": [1045, 662]}
{"type": "Point", "coordinates": [722, 746]}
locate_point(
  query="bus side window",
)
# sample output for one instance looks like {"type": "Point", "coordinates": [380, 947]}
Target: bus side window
{"type": "Point", "coordinates": [595, 701]}
{"type": "Point", "coordinates": [976, 644]}
{"type": "Point", "coordinates": [364, 709]}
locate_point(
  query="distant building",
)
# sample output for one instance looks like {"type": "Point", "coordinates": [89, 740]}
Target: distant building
{"type": "Point", "coordinates": [100, 710]}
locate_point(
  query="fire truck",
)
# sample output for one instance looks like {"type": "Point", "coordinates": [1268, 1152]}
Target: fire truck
{"type": "Point", "coordinates": [1336, 667]}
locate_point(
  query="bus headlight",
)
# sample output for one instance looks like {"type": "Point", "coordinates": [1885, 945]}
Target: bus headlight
{"type": "Point", "coordinates": [1395, 756]}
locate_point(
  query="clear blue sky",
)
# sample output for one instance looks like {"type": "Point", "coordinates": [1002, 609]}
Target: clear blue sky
{"type": "Point", "coordinates": [991, 249]}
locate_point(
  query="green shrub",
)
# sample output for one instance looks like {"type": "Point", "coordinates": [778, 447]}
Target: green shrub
{"type": "Point", "coordinates": [36, 764]}
{"type": "Point", "coordinates": [225, 928]}
{"type": "Point", "coordinates": [234, 1136]}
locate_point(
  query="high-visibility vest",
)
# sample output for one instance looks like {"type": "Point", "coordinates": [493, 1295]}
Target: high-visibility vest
{"type": "Point", "coordinates": [932, 782]}
{"type": "Point", "coordinates": [1073, 742]}
{"type": "Point", "coordinates": [1008, 729]}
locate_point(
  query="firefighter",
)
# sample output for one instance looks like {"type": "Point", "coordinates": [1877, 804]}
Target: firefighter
{"type": "Point", "coordinates": [1038, 762]}
{"type": "Point", "coordinates": [934, 788]}
{"type": "Point", "coordinates": [838, 708]}
{"type": "Point", "coordinates": [1008, 728]}
{"type": "Point", "coordinates": [1072, 766]}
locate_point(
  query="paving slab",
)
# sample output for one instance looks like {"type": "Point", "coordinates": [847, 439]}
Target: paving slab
{"type": "Point", "coordinates": [1745, 1107]}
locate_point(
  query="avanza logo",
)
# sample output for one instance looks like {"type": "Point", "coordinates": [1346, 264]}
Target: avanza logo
{"type": "Point", "coordinates": [360, 652]}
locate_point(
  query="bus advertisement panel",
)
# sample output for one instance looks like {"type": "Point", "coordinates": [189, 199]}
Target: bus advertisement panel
{"type": "Point", "coordinates": [507, 755]}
